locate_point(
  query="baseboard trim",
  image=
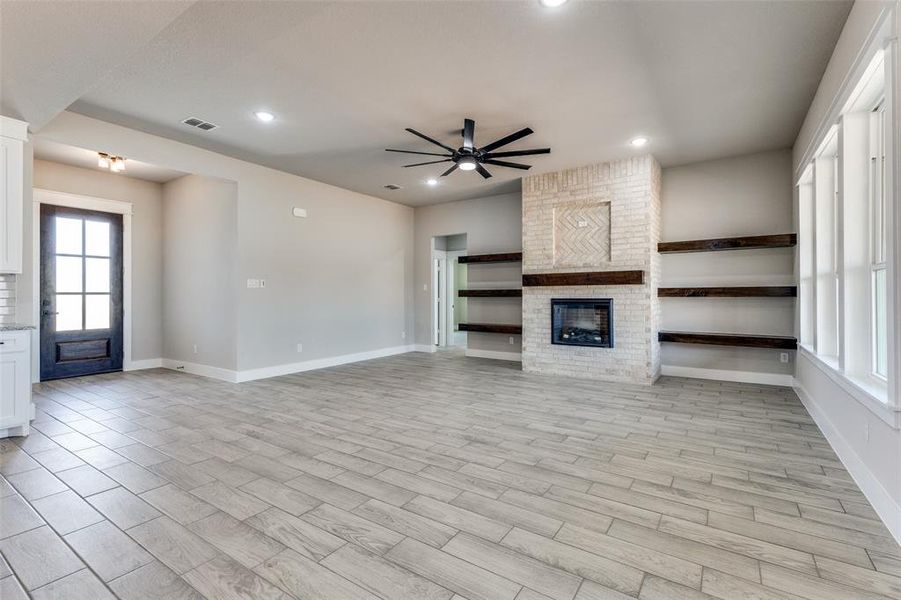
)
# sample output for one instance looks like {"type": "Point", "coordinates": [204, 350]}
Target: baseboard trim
{"type": "Point", "coordinates": [726, 375]}
{"type": "Point", "coordinates": [494, 354]}
{"type": "Point", "coordinates": [202, 370]}
{"type": "Point", "coordinates": [425, 348]}
{"type": "Point", "coordinates": [883, 503]}
{"type": "Point", "coordinates": [321, 363]}
{"type": "Point", "coordinates": [147, 363]}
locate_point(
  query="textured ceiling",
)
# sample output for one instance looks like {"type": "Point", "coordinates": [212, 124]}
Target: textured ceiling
{"type": "Point", "coordinates": [702, 79]}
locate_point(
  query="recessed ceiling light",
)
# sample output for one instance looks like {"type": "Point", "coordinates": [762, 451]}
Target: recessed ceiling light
{"type": "Point", "coordinates": [264, 116]}
{"type": "Point", "coordinates": [432, 181]}
{"type": "Point", "coordinates": [639, 141]}
{"type": "Point", "coordinates": [552, 3]}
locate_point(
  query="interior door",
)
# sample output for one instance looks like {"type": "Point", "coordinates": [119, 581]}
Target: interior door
{"type": "Point", "coordinates": [81, 292]}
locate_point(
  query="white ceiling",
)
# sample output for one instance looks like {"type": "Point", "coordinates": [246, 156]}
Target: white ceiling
{"type": "Point", "coordinates": [87, 159]}
{"type": "Point", "coordinates": [702, 79]}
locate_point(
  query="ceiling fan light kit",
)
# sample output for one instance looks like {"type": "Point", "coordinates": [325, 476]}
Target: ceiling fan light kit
{"type": "Point", "coordinates": [468, 157]}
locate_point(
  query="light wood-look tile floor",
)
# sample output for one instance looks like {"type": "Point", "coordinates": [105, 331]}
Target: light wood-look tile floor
{"type": "Point", "coordinates": [436, 477]}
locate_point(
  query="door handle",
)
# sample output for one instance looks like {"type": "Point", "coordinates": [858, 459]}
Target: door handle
{"type": "Point", "coordinates": [47, 313]}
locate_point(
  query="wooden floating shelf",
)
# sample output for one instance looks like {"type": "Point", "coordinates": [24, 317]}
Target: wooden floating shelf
{"type": "Point", "coordinates": [491, 328]}
{"type": "Point", "coordinates": [729, 339]}
{"type": "Point", "coordinates": [512, 293]}
{"type": "Point", "coordinates": [491, 258]}
{"type": "Point", "coordinates": [589, 278]}
{"type": "Point", "coordinates": [772, 291]}
{"type": "Point", "coordinates": [782, 240]}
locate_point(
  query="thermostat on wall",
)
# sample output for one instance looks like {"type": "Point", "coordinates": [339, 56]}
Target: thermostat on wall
{"type": "Point", "coordinates": [300, 212]}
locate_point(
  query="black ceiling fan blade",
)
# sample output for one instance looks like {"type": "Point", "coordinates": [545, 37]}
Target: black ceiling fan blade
{"type": "Point", "coordinates": [414, 152]}
{"type": "Point", "coordinates": [449, 171]}
{"type": "Point", "coordinates": [507, 140]}
{"type": "Point", "coordinates": [431, 162]}
{"type": "Point", "coordinates": [503, 163]}
{"type": "Point", "coordinates": [518, 153]}
{"type": "Point", "coordinates": [428, 139]}
{"type": "Point", "coordinates": [482, 171]}
{"type": "Point", "coordinates": [469, 131]}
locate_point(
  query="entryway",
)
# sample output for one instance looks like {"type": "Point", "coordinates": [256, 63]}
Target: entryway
{"type": "Point", "coordinates": [448, 277]}
{"type": "Point", "coordinates": [81, 292]}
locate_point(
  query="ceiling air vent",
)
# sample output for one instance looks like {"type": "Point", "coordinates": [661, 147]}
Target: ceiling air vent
{"type": "Point", "coordinates": [392, 186]}
{"type": "Point", "coordinates": [199, 123]}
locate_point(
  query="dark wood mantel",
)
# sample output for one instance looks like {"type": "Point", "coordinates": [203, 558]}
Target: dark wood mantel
{"type": "Point", "coordinates": [585, 278]}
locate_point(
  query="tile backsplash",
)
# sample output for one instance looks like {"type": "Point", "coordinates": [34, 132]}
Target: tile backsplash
{"type": "Point", "coordinates": [7, 298]}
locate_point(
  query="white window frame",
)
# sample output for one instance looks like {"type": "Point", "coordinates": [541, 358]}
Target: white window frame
{"type": "Point", "coordinates": [878, 227]}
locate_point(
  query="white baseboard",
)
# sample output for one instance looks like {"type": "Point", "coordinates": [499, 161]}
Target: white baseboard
{"type": "Point", "coordinates": [881, 500]}
{"type": "Point", "coordinates": [494, 354]}
{"type": "Point", "coordinates": [425, 348]}
{"type": "Point", "coordinates": [148, 363]}
{"type": "Point", "coordinates": [321, 363]}
{"type": "Point", "coordinates": [202, 370]}
{"type": "Point", "coordinates": [725, 375]}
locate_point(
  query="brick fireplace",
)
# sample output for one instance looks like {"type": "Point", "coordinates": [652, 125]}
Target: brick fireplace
{"type": "Point", "coordinates": [593, 224]}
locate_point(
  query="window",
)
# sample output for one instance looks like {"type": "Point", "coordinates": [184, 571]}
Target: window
{"type": "Point", "coordinates": [826, 253]}
{"type": "Point", "coordinates": [845, 236]}
{"type": "Point", "coordinates": [878, 235]}
{"type": "Point", "coordinates": [806, 259]}
{"type": "Point", "coordinates": [82, 274]}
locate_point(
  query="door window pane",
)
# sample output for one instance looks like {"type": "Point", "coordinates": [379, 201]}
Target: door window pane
{"type": "Point", "coordinates": [68, 308]}
{"type": "Point", "coordinates": [97, 309]}
{"type": "Point", "coordinates": [97, 275]}
{"type": "Point", "coordinates": [96, 241]}
{"type": "Point", "coordinates": [68, 235]}
{"type": "Point", "coordinates": [68, 274]}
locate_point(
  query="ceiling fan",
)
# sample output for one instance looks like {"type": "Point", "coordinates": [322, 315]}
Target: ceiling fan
{"type": "Point", "coordinates": [470, 158]}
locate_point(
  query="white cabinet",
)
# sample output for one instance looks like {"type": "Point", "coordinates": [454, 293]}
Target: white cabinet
{"type": "Point", "coordinates": [13, 135]}
{"type": "Point", "coordinates": [15, 383]}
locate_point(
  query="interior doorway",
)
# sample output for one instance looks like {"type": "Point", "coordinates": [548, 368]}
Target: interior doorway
{"type": "Point", "coordinates": [448, 277]}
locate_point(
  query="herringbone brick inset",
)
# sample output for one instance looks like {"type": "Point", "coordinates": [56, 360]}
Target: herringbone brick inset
{"type": "Point", "coordinates": [581, 234]}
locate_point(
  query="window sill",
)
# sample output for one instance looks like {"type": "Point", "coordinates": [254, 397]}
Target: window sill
{"type": "Point", "coordinates": [869, 393]}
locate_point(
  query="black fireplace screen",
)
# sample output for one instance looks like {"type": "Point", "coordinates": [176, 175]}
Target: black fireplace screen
{"type": "Point", "coordinates": [582, 322]}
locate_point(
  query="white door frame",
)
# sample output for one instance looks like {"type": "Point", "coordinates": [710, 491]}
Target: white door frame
{"type": "Point", "coordinates": [118, 207]}
{"type": "Point", "coordinates": [438, 297]}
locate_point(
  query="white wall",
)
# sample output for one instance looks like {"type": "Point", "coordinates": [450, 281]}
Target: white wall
{"type": "Point", "coordinates": [339, 281]}
{"type": "Point", "coordinates": [865, 435]}
{"type": "Point", "coordinates": [858, 30]}
{"type": "Point", "coordinates": [199, 303]}
{"type": "Point", "coordinates": [491, 224]}
{"type": "Point", "coordinates": [146, 198]}
{"type": "Point", "coordinates": [745, 195]}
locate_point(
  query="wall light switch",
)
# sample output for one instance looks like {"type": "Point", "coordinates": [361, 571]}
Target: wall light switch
{"type": "Point", "coordinates": [299, 212]}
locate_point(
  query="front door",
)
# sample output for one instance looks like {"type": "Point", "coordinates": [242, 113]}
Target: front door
{"type": "Point", "coordinates": [81, 292]}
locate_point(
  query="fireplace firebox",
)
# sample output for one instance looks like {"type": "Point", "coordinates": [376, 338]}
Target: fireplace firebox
{"type": "Point", "coordinates": [582, 322]}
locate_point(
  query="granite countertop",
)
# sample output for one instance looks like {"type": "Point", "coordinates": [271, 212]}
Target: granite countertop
{"type": "Point", "coordinates": [15, 327]}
